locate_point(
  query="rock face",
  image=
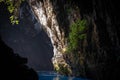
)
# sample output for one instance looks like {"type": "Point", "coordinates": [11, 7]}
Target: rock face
{"type": "Point", "coordinates": [27, 38]}
{"type": "Point", "coordinates": [98, 55]}
{"type": "Point", "coordinates": [13, 66]}
{"type": "Point", "coordinates": [46, 15]}
{"type": "Point", "coordinates": [100, 51]}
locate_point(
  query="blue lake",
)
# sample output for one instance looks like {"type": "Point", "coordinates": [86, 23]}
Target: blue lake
{"type": "Point", "coordinates": [44, 75]}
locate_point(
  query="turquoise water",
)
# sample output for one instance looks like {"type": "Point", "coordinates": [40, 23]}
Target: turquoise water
{"type": "Point", "coordinates": [44, 75]}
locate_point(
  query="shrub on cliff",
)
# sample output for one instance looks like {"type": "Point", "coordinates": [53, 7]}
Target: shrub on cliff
{"type": "Point", "coordinates": [77, 32]}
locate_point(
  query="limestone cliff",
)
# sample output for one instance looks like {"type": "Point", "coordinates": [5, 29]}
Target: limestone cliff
{"type": "Point", "coordinates": [47, 16]}
{"type": "Point", "coordinates": [98, 54]}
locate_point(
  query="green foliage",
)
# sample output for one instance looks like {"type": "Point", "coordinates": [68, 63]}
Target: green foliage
{"type": "Point", "coordinates": [76, 33]}
{"type": "Point", "coordinates": [1, 0]}
{"type": "Point", "coordinates": [82, 36]}
{"type": "Point", "coordinates": [63, 69]}
{"type": "Point", "coordinates": [13, 20]}
{"type": "Point", "coordinates": [69, 10]}
{"type": "Point", "coordinates": [13, 8]}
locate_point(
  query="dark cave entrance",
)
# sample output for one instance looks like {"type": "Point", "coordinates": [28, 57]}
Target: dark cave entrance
{"type": "Point", "coordinates": [27, 39]}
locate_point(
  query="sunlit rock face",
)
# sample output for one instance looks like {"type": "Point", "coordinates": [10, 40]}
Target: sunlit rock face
{"type": "Point", "coordinates": [45, 14]}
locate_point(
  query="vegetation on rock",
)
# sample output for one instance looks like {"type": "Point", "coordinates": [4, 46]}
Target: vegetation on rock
{"type": "Point", "coordinates": [77, 33]}
{"type": "Point", "coordinates": [13, 7]}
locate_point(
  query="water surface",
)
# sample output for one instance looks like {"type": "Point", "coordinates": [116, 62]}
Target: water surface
{"type": "Point", "coordinates": [48, 75]}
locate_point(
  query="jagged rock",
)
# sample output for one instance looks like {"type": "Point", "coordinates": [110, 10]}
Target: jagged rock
{"type": "Point", "coordinates": [46, 15]}
{"type": "Point", "coordinates": [99, 54]}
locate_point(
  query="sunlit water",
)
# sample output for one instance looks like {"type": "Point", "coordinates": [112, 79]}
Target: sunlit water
{"type": "Point", "coordinates": [44, 75]}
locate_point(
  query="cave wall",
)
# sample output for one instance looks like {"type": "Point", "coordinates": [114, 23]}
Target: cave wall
{"type": "Point", "coordinates": [98, 55]}
{"type": "Point", "coordinates": [101, 49]}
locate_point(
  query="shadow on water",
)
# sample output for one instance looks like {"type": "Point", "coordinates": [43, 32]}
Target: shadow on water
{"type": "Point", "coordinates": [27, 38]}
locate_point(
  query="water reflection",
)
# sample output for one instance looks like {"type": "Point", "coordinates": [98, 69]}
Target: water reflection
{"type": "Point", "coordinates": [56, 78]}
{"type": "Point", "coordinates": [46, 75]}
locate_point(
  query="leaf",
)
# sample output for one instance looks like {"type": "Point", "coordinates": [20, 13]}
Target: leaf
{"type": "Point", "coordinates": [17, 22]}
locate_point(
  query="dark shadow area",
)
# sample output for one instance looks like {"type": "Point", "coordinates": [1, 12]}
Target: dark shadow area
{"type": "Point", "coordinates": [61, 15]}
{"type": "Point", "coordinates": [106, 59]}
{"type": "Point", "coordinates": [13, 66]}
{"type": "Point", "coordinates": [27, 38]}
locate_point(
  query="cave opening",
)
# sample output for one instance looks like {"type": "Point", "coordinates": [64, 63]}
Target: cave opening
{"type": "Point", "coordinates": [27, 39]}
